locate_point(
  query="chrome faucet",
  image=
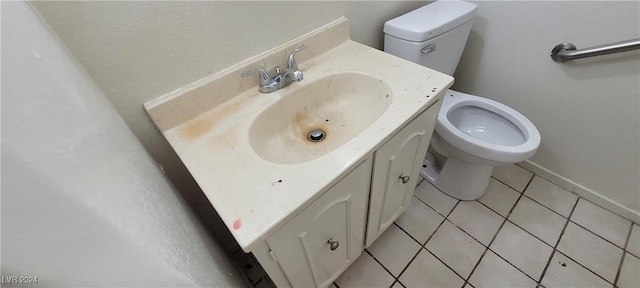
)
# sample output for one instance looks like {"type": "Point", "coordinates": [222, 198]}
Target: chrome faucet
{"type": "Point", "coordinates": [269, 84]}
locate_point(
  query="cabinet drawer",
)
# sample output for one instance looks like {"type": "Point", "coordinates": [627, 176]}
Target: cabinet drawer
{"type": "Point", "coordinates": [303, 247]}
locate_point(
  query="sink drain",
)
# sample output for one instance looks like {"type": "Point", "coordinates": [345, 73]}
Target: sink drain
{"type": "Point", "coordinates": [316, 135]}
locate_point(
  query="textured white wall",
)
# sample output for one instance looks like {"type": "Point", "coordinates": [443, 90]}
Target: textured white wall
{"type": "Point", "coordinates": [137, 51]}
{"type": "Point", "coordinates": [83, 204]}
{"type": "Point", "coordinates": [588, 110]}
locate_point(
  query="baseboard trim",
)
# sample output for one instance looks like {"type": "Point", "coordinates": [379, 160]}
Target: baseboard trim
{"type": "Point", "coordinates": [584, 192]}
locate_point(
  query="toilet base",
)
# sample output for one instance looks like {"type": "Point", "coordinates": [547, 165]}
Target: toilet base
{"type": "Point", "coordinates": [457, 178]}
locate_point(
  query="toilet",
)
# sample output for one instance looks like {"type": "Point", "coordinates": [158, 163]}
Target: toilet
{"type": "Point", "coordinates": [472, 134]}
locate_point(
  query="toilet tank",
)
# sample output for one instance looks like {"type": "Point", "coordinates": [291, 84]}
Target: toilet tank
{"type": "Point", "coordinates": [433, 35]}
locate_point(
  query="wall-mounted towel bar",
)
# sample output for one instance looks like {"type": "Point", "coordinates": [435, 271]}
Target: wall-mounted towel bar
{"type": "Point", "coordinates": [566, 51]}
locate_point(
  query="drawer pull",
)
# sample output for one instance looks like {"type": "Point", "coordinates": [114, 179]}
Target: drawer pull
{"type": "Point", "coordinates": [404, 179]}
{"type": "Point", "coordinates": [333, 245]}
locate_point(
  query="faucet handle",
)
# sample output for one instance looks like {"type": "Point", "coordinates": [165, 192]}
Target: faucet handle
{"type": "Point", "coordinates": [266, 83]}
{"type": "Point", "coordinates": [265, 79]}
{"type": "Point", "coordinates": [291, 62]}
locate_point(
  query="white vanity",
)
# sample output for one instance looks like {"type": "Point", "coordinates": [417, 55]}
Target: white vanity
{"type": "Point", "coordinates": [306, 210]}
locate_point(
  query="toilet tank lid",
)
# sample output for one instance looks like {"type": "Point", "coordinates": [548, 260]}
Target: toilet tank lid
{"type": "Point", "coordinates": [430, 20]}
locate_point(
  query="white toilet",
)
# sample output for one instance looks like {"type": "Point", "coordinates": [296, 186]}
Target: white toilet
{"type": "Point", "coordinates": [472, 134]}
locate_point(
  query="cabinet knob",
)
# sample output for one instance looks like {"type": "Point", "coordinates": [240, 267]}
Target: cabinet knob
{"type": "Point", "coordinates": [404, 179]}
{"type": "Point", "coordinates": [333, 245]}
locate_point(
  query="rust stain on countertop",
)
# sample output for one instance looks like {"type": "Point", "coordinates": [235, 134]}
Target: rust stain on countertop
{"type": "Point", "coordinates": [202, 125]}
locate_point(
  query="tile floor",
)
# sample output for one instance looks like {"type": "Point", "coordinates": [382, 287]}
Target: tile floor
{"type": "Point", "coordinates": [525, 232]}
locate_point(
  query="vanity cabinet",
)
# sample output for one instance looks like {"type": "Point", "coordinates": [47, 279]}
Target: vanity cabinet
{"type": "Point", "coordinates": [396, 172]}
{"type": "Point", "coordinates": [316, 246]}
{"type": "Point", "coordinates": [319, 243]}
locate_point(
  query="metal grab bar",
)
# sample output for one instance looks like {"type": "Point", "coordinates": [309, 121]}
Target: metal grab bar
{"type": "Point", "coordinates": [566, 51]}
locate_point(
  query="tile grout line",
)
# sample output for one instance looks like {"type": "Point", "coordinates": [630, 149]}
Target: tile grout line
{"type": "Point", "coordinates": [586, 268]}
{"type": "Point", "coordinates": [514, 266]}
{"type": "Point", "coordinates": [485, 205]}
{"type": "Point", "coordinates": [538, 283]}
{"type": "Point", "coordinates": [409, 263]}
{"type": "Point", "coordinates": [574, 260]}
{"type": "Point", "coordinates": [383, 267]}
{"type": "Point", "coordinates": [569, 192]}
{"type": "Point", "coordinates": [400, 283]}
{"type": "Point", "coordinates": [465, 232]}
{"type": "Point", "coordinates": [425, 243]}
{"type": "Point", "coordinates": [425, 203]}
{"type": "Point", "coordinates": [534, 236]}
{"type": "Point", "coordinates": [513, 208]}
{"type": "Point", "coordinates": [514, 189]}
{"type": "Point", "coordinates": [533, 175]}
{"type": "Point", "coordinates": [425, 180]}
{"type": "Point", "coordinates": [466, 281]}
{"type": "Point", "coordinates": [505, 217]}
{"type": "Point", "coordinates": [579, 197]}
{"type": "Point", "coordinates": [414, 239]}
{"type": "Point", "coordinates": [545, 206]}
{"type": "Point", "coordinates": [569, 218]}
{"type": "Point", "coordinates": [445, 264]}
{"type": "Point", "coordinates": [624, 253]}
{"type": "Point", "coordinates": [454, 224]}
{"type": "Point", "coordinates": [597, 235]}
{"type": "Point", "coordinates": [590, 232]}
{"type": "Point", "coordinates": [625, 245]}
{"type": "Point", "coordinates": [555, 247]}
{"type": "Point", "coordinates": [525, 230]}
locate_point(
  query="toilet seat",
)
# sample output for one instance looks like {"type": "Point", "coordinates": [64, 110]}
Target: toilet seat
{"type": "Point", "coordinates": [507, 150]}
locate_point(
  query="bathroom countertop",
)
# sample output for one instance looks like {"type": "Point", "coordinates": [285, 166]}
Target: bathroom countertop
{"type": "Point", "coordinates": [255, 197]}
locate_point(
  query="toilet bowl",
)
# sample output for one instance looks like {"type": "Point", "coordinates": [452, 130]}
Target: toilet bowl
{"type": "Point", "coordinates": [472, 135]}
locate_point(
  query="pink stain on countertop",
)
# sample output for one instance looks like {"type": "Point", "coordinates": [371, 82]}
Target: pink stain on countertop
{"type": "Point", "coordinates": [237, 224]}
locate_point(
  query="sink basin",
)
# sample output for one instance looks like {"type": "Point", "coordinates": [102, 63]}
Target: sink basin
{"type": "Point", "coordinates": [340, 105]}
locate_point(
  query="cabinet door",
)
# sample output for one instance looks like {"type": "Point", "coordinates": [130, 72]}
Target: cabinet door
{"type": "Point", "coordinates": [396, 171]}
{"type": "Point", "coordinates": [316, 246]}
